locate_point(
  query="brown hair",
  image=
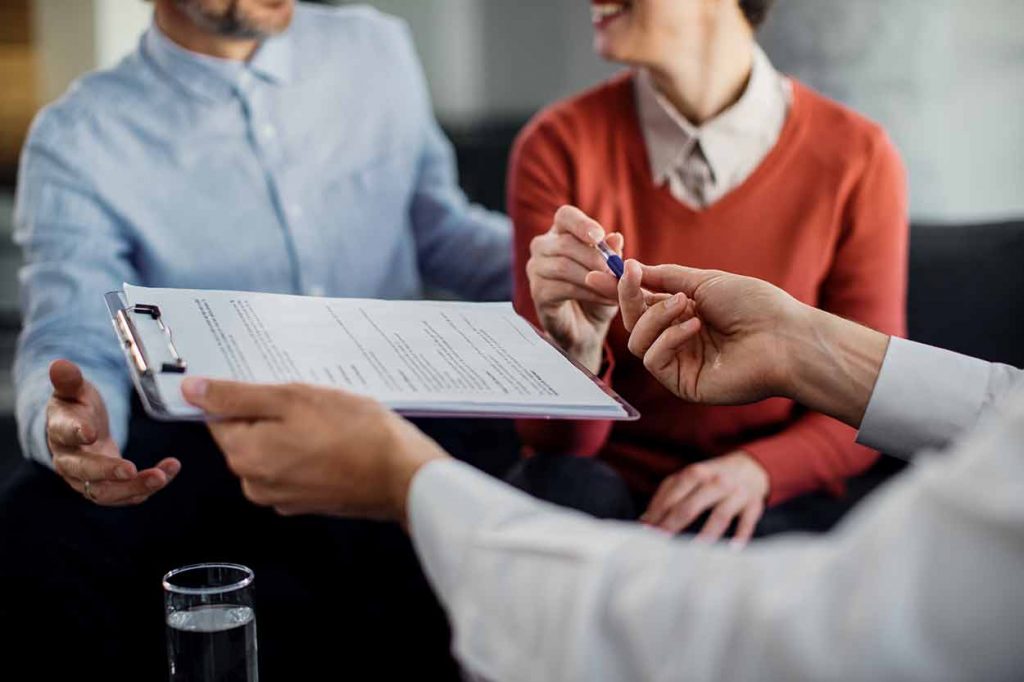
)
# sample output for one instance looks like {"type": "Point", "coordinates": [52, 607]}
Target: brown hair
{"type": "Point", "coordinates": [756, 11]}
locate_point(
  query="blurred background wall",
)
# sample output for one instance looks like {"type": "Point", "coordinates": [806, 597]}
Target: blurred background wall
{"type": "Point", "coordinates": [945, 77]}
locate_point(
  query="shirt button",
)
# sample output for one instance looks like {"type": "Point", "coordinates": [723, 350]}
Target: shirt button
{"type": "Point", "coordinates": [268, 131]}
{"type": "Point", "coordinates": [316, 290]}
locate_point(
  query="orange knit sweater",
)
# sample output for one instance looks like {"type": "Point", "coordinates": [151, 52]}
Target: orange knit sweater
{"type": "Point", "coordinates": [824, 217]}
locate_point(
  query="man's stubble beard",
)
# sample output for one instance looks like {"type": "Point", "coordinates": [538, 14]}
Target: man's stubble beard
{"type": "Point", "coordinates": [233, 23]}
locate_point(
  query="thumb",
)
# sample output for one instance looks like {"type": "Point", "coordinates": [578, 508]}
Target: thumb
{"type": "Point", "coordinates": [235, 400]}
{"type": "Point", "coordinates": [632, 301]}
{"type": "Point", "coordinates": [67, 380]}
{"type": "Point", "coordinates": [673, 279]}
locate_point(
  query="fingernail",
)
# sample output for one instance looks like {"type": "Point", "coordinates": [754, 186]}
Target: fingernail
{"type": "Point", "coordinates": [595, 234]}
{"type": "Point", "coordinates": [737, 545]}
{"type": "Point", "coordinates": [153, 483]}
{"type": "Point", "coordinates": [172, 469]}
{"type": "Point", "coordinates": [122, 473]}
{"type": "Point", "coordinates": [194, 388]}
{"type": "Point", "coordinates": [673, 302]}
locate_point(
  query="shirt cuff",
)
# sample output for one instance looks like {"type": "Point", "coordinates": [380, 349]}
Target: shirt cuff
{"type": "Point", "coordinates": [924, 397]}
{"type": "Point", "coordinates": [33, 394]}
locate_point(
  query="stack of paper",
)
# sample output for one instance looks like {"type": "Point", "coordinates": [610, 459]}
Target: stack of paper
{"type": "Point", "coordinates": [418, 357]}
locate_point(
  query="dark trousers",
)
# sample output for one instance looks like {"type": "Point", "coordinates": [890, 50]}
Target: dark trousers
{"type": "Point", "coordinates": [592, 486]}
{"type": "Point", "coordinates": [341, 599]}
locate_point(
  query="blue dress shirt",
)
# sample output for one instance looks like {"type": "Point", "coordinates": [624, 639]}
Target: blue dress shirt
{"type": "Point", "coordinates": [315, 168]}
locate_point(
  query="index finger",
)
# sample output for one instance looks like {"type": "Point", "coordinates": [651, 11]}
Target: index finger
{"type": "Point", "coordinates": [571, 220]}
{"type": "Point", "coordinates": [236, 400]}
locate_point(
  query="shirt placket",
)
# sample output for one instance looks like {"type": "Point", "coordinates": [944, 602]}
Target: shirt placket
{"type": "Point", "coordinates": [306, 253]}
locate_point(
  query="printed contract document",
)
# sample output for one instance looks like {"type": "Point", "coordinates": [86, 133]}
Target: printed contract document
{"type": "Point", "coordinates": [417, 357]}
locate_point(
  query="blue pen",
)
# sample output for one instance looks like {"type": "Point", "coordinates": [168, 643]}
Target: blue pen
{"type": "Point", "coordinates": [613, 259]}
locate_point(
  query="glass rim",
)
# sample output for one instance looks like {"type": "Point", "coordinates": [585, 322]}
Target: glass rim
{"type": "Point", "coordinates": [248, 577]}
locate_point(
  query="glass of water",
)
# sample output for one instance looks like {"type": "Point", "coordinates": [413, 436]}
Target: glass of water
{"type": "Point", "coordinates": [211, 624]}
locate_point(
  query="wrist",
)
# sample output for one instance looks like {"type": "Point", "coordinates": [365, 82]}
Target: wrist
{"type": "Point", "coordinates": [757, 473]}
{"type": "Point", "coordinates": [412, 451]}
{"type": "Point", "coordinates": [796, 330]}
{"type": "Point", "coordinates": [590, 355]}
{"type": "Point", "coordinates": [834, 363]}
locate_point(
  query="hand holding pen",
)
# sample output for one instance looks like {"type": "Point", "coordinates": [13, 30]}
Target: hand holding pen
{"type": "Point", "coordinates": [575, 315]}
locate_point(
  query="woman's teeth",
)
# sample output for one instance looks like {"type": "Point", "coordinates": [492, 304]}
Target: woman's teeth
{"type": "Point", "coordinates": [603, 12]}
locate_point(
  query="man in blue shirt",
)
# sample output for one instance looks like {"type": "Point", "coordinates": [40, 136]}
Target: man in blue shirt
{"type": "Point", "coordinates": [253, 144]}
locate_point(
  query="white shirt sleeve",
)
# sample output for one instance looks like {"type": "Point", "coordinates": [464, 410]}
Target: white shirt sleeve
{"type": "Point", "coordinates": [925, 397]}
{"type": "Point", "coordinates": [924, 581]}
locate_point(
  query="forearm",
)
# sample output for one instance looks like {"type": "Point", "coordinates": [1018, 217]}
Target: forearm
{"type": "Point", "coordinates": [539, 593]}
{"type": "Point", "coordinates": [833, 364]}
{"type": "Point", "coordinates": [463, 249]}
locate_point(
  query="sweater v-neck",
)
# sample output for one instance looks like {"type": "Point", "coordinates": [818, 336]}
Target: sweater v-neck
{"type": "Point", "coordinates": [763, 174]}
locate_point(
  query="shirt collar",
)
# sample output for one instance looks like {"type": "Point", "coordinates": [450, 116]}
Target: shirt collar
{"type": "Point", "coordinates": [213, 78]}
{"type": "Point", "coordinates": [670, 137]}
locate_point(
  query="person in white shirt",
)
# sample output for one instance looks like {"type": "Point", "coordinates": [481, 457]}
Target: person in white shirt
{"type": "Point", "coordinates": [924, 581]}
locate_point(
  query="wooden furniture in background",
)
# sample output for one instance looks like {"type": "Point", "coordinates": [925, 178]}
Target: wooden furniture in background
{"type": "Point", "coordinates": [18, 101]}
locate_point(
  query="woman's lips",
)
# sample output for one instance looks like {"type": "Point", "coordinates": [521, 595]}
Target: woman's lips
{"type": "Point", "coordinates": [604, 13]}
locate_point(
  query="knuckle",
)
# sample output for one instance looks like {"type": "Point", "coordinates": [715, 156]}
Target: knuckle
{"type": "Point", "coordinates": [260, 469]}
{"type": "Point", "coordinates": [235, 466]}
{"type": "Point", "coordinates": [60, 465]}
{"type": "Point", "coordinates": [295, 392]}
{"type": "Point", "coordinates": [703, 473]}
{"type": "Point", "coordinates": [252, 492]}
{"type": "Point", "coordinates": [721, 515]}
{"type": "Point", "coordinates": [228, 440]}
{"type": "Point", "coordinates": [685, 512]}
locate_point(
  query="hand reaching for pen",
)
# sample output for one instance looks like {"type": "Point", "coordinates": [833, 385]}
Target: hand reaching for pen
{"type": "Point", "coordinates": [84, 452]}
{"type": "Point", "coordinates": [721, 339]}
{"type": "Point", "coordinates": [576, 316]}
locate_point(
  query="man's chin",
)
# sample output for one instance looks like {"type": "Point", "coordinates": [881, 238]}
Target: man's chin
{"type": "Point", "coordinates": [245, 23]}
{"type": "Point", "coordinates": [270, 21]}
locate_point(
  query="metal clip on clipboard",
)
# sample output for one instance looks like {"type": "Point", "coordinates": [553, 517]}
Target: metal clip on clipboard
{"type": "Point", "coordinates": [146, 367]}
{"type": "Point", "coordinates": [133, 341]}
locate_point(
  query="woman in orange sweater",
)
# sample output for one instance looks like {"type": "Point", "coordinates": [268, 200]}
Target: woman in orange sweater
{"type": "Point", "coordinates": [701, 154]}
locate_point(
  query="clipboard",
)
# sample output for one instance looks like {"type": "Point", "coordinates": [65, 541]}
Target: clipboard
{"type": "Point", "coordinates": [153, 352]}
